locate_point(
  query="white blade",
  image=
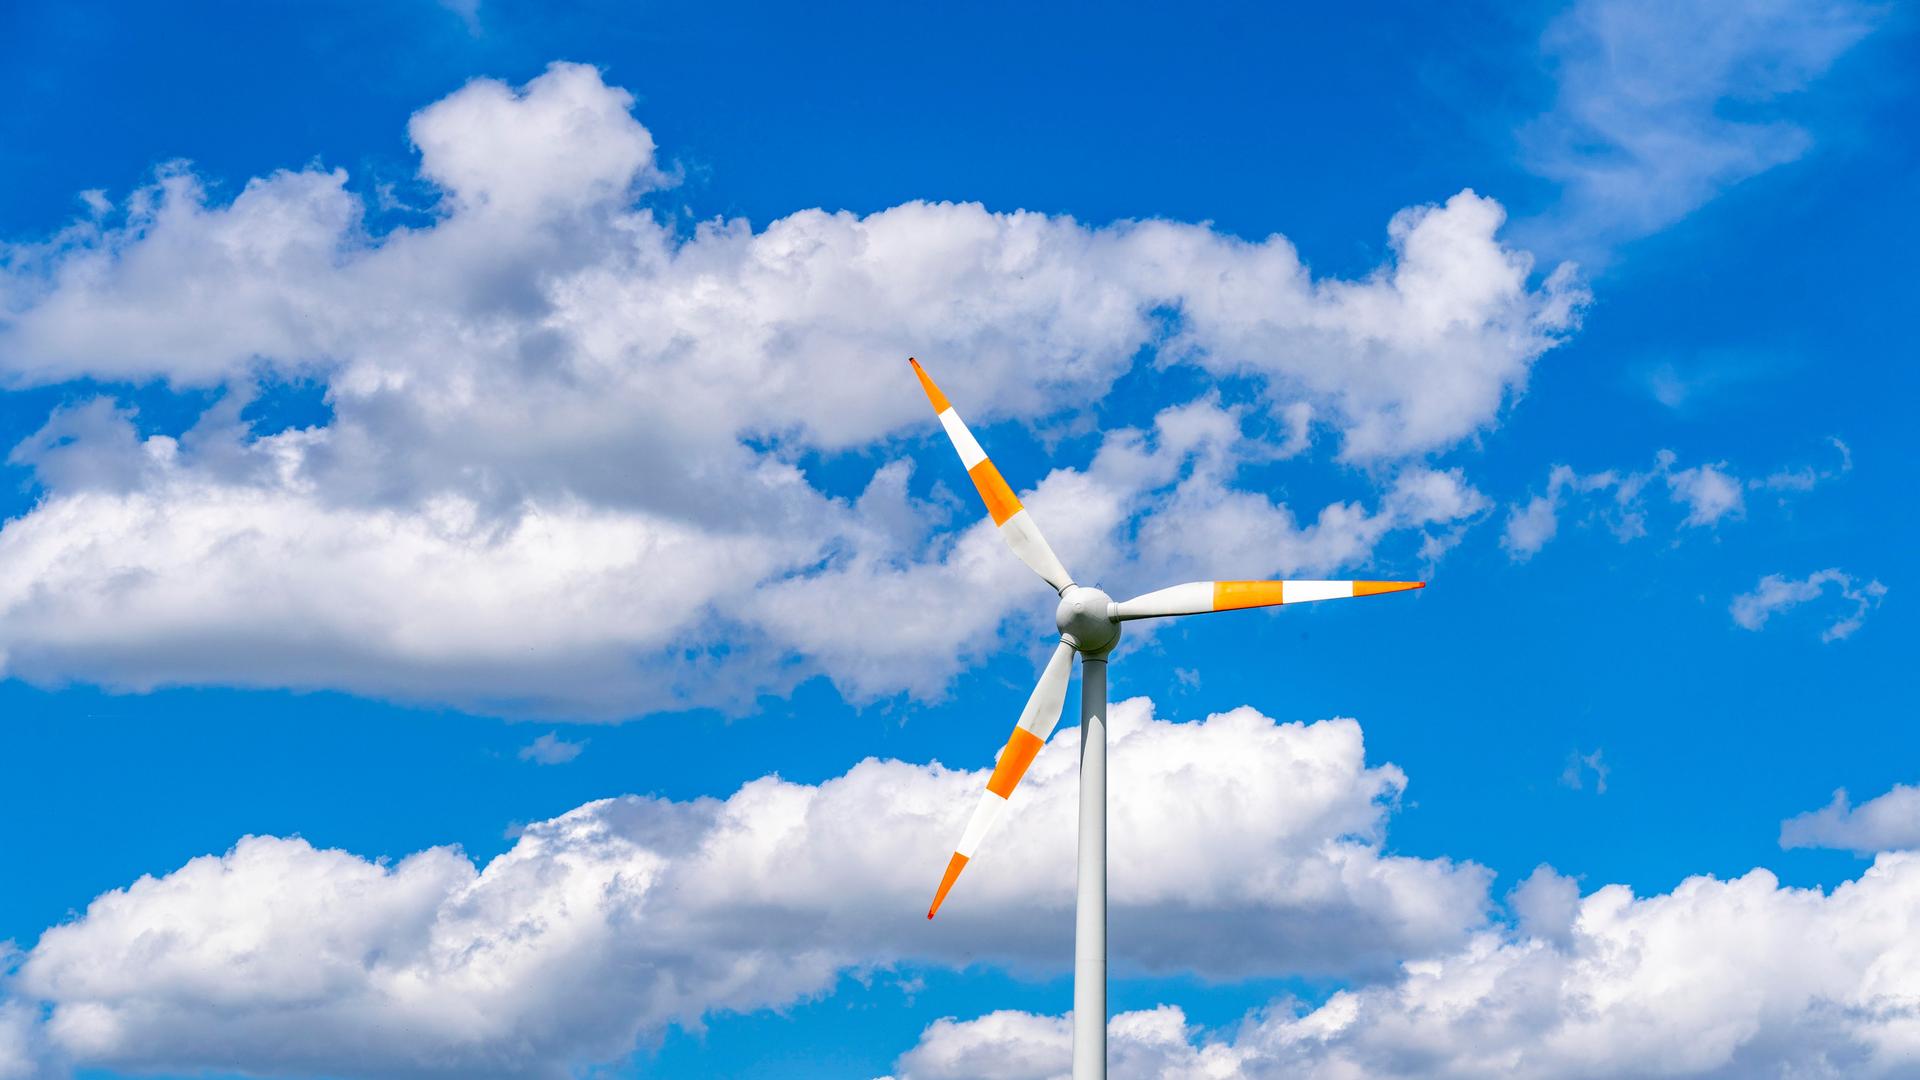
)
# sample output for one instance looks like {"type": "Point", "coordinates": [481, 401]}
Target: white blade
{"type": "Point", "coordinates": [1003, 506]}
{"type": "Point", "coordinates": [1197, 597]}
{"type": "Point", "coordinates": [1037, 722]}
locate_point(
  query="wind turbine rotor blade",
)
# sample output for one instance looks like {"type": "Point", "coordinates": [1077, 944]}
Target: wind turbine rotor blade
{"type": "Point", "coordinates": [1198, 597]}
{"type": "Point", "coordinates": [1037, 722]}
{"type": "Point", "coordinates": [1003, 506]}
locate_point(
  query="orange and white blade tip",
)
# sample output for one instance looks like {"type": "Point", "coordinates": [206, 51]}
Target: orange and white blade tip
{"type": "Point", "coordinates": [954, 866]}
{"type": "Point", "coordinates": [1375, 588]}
{"type": "Point", "coordinates": [940, 402]}
{"type": "Point", "coordinates": [1003, 506]}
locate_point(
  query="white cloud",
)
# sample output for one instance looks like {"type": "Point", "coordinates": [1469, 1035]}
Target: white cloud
{"type": "Point", "coordinates": [1710, 493]}
{"type": "Point", "coordinates": [568, 143]}
{"type": "Point", "coordinates": [561, 607]}
{"type": "Point", "coordinates": [559, 473]}
{"type": "Point", "coordinates": [1452, 327]}
{"type": "Point", "coordinates": [1011, 1045]}
{"type": "Point", "coordinates": [156, 565]}
{"type": "Point", "coordinates": [1206, 529]}
{"type": "Point", "coordinates": [1546, 905]}
{"type": "Point", "coordinates": [541, 275]}
{"type": "Point", "coordinates": [944, 611]}
{"type": "Point", "coordinates": [1004, 1045]}
{"type": "Point", "coordinates": [1659, 107]}
{"type": "Point", "coordinates": [1887, 823]}
{"type": "Point", "coordinates": [1242, 846]}
{"type": "Point", "coordinates": [1723, 979]}
{"type": "Point", "coordinates": [551, 749]}
{"type": "Point", "coordinates": [22, 1055]}
{"type": "Point", "coordinates": [1775, 594]}
{"type": "Point", "coordinates": [469, 12]}
{"type": "Point", "coordinates": [1800, 479]}
{"type": "Point", "coordinates": [1579, 765]}
{"type": "Point", "coordinates": [1530, 526]}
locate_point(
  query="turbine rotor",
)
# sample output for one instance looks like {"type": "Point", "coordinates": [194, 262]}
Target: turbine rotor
{"type": "Point", "coordinates": [1089, 622]}
{"type": "Point", "coordinates": [1085, 618]}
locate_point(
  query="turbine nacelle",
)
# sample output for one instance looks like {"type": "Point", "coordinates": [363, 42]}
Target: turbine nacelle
{"type": "Point", "coordinates": [1085, 618]}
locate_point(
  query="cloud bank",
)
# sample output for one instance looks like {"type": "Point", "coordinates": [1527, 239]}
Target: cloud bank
{"type": "Point", "coordinates": [562, 471]}
{"type": "Point", "coordinates": [1249, 846]}
{"type": "Point", "coordinates": [1737, 978]}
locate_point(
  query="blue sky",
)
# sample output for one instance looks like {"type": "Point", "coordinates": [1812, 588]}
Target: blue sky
{"type": "Point", "coordinates": [382, 401]}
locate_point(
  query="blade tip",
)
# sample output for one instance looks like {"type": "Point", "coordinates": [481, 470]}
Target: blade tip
{"type": "Point", "coordinates": [934, 395]}
{"type": "Point", "coordinates": [954, 866]}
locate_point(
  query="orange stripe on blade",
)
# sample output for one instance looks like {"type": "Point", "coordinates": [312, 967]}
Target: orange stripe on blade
{"type": "Point", "coordinates": [1022, 745]}
{"type": "Point", "coordinates": [1000, 499]}
{"type": "Point", "coordinates": [940, 402]}
{"type": "Point", "coordinates": [954, 866]}
{"type": "Point", "coordinates": [1375, 588]}
{"type": "Point", "coordinates": [1230, 595]}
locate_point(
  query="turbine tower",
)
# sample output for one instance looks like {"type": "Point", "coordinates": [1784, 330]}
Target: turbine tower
{"type": "Point", "coordinates": [1089, 623]}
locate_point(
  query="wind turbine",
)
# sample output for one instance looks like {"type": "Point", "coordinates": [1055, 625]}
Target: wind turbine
{"type": "Point", "coordinates": [1089, 622]}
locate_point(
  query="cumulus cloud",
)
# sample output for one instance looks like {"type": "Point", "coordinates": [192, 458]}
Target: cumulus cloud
{"type": "Point", "coordinates": [1205, 528]}
{"type": "Point", "coordinates": [22, 1053]}
{"type": "Point", "coordinates": [193, 581]}
{"type": "Point", "coordinates": [997, 1046]}
{"type": "Point", "coordinates": [1659, 107]}
{"type": "Point", "coordinates": [1775, 594]}
{"type": "Point", "coordinates": [157, 569]}
{"type": "Point", "coordinates": [1009, 1045]}
{"type": "Point", "coordinates": [1709, 493]}
{"type": "Point", "coordinates": [1454, 325]}
{"type": "Point", "coordinates": [542, 271]}
{"type": "Point", "coordinates": [1718, 978]}
{"type": "Point", "coordinates": [1247, 846]}
{"type": "Point", "coordinates": [1545, 905]}
{"type": "Point", "coordinates": [830, 614]}
{"type": "Point", "coordinates": [561, 472]}
{"type": "Point", "coordinates": [1887, 823]}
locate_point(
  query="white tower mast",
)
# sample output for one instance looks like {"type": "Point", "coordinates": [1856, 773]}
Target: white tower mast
{"type": "Point", "coordinates": [1090, 902]}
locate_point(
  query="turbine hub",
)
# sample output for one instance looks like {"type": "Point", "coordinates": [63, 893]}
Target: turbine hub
{"type": "Point", "coordinates": [1085, 618]}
